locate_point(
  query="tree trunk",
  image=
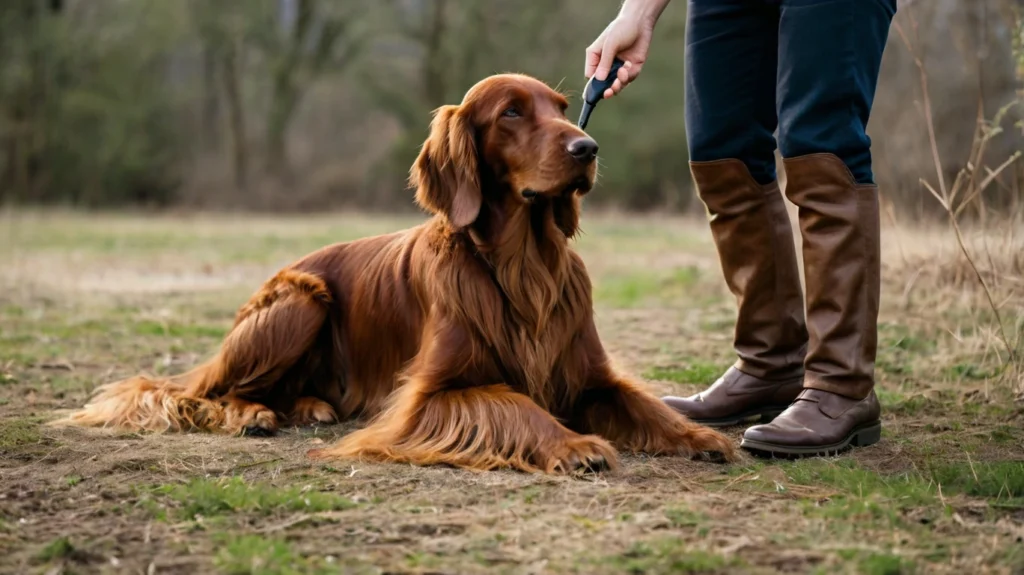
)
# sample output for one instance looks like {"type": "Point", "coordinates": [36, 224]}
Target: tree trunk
{"type": "Point", "coordinates": [285, 91]}
{"type": "Point", "coordinates": [282, 107]}
{"type": "Point", "coordinates": [434, 81]}
{"type": "Point", "coordinates": [236, 113]}
{"type": "Point", "coordinates": [20, 155]}
{"type": "Point", "coordinates": [211, 100]}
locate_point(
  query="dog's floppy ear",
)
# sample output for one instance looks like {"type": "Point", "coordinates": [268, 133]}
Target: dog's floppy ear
{"type": "Point", "coordinates": [445, 173]}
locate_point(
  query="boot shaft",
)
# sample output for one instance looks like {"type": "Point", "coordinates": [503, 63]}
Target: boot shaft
{"type": "Point", "coordinates": [840, 228]}
{"type": "Point", "coordinates": [754, 237]}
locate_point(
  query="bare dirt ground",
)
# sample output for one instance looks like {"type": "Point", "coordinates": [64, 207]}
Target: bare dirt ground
{"type": "Point", "coordinates": [86, 299]}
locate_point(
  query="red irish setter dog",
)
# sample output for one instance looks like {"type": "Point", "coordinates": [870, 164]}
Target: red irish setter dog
{"type": "Point", "coordinates": [468, 340]}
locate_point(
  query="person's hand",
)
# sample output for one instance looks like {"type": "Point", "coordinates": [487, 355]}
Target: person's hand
{"type": "Point", "coordinates": [628, 36]}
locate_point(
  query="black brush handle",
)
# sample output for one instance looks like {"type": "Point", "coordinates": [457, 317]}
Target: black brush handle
{"type": "Point", "coordinates": [594, 91]}
{"type": "Point", "coordinates": [595, 88]}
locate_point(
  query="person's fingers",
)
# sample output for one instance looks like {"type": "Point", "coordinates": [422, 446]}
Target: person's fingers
{"type": "Point", "coordinates": [634, 72]}
{"type": "Point", "coordinates": [607, 57]}
{"type": "Point", "coordinates": [593, 57]}
{"type": "Point", "coordinates": [622, 80]}
{"type": "Point", "coordinates": [625, 73]}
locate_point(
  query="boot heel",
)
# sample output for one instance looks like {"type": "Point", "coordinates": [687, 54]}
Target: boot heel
{"type": "Point", "coordinates": [867, 436]}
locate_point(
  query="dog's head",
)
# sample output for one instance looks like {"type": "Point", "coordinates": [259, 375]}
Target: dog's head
{"type": "Point", "coordinates": [511, 130]}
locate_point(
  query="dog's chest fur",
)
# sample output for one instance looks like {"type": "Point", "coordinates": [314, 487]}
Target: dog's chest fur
{"type": "Point", "coordinates": [542, 314]}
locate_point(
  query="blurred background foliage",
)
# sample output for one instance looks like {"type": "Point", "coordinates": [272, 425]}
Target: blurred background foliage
{"type": "Point", "coordinates": [323, 104]}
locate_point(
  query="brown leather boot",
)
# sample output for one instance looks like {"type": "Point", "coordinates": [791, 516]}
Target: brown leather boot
{"type": "Point", "coordinates": [839, 222]}
{"type": "Point", "coordinates": [752, 232]}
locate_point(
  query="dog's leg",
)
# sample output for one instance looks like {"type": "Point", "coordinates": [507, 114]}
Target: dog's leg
{"type": "Point", "coordinates": [310, 410]}
{"type": "Point", "coordinates": [619, 409]}
{"type": "Point", "coordinates": [247, 417]}
{"type": "Point", "coordinates": [438, 417]}
{"type": "Point", "coordinates": [633, 419]}
{"type": "Point", "coordinates": [480, 428]}
{"type": "Point", "coordinates": [271, 332]}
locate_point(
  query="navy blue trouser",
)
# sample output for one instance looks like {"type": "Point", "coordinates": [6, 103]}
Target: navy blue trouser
{"type": "Point", "coordinates": [806, 67]}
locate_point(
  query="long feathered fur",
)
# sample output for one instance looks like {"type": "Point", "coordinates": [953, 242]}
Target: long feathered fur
{"type": "Point", "coordinates": [271, 332]}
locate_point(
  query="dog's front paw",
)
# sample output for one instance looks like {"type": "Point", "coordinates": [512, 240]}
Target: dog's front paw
{"type": "Point", "coordinates": [311, 411]}
{"type": "Point", "coordinates": [706, 443]}
{"type": "Point", "coordinates": [582, 454]}
{"type": "Point", "coordinates": [250, 419]}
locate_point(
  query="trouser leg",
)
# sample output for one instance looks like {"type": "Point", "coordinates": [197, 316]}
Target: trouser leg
{"type": "Point", "coordinates": [730, 108]}
{"type": "Point", "coordinates": [829, 53]}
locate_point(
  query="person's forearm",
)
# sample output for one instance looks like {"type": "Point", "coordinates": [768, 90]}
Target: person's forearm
{"type": "Point", "coordinates": [646, 9]}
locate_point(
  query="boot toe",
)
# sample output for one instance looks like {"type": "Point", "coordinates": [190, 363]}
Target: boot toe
{"type": "Point", "coordinates": [761, 433]}
{"type": "Point", "coordinates": [696, 409]}
{"type": "Point", "coordinates": [772, 433]}
{"type": "Point", "coordinates": [688, 406]}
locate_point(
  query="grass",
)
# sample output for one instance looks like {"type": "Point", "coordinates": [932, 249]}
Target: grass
{"type": "Point", "coordinates": [419, 560]}
{"type": "Point", "coordinates": [851, 478]}
{"type": "Point", "coordinates": [18, 432]}
{"type": "Point", "coordinates": [942, 492]}
{"type": "Point", "coordinates": [208, 498]}
{"type": "Point", "coordinates": [636, 289]}
{"type": "Point", "coordinates": [898, 402]}
{"type": "Point", "coordinates": [878, 563]}
{"type": "Point", "coordinates": [696, 372]}
{"type": "Point", "coordinates": [842, 490]}
{"type": "Point", "coordinates": [59, 548]}
{"type": "Point", "coordinates": [681, 517]}
{"type": "Point", "coordinates": [969, 371]}
{"type": "Point", "coordinates": [900, 338]}
{"type": "Point", "coordinates": [253, 554]}
{"type": "Point", "coordinates": [666, 555]}
{"type": "Point", "coordinates": [1013, 557]}
{"type": "Point", "coordinates": [152, 328]}
{"type": "Point", "coordinates": [998, 481]}
{"type": "Point", "coordinates": [851, 492]}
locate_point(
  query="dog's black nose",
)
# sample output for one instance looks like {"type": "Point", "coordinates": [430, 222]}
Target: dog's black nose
{"type": "Point", "coordinates": [583, 149]}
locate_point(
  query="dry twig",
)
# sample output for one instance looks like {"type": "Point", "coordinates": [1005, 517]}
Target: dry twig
{"type": "Point", "coordinates": [947, 196]}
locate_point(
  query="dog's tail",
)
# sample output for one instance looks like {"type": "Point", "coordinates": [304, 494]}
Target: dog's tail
{"type": "Point", "coordinates": [272, 332]}
{"type": "Point", "coordinates": [149, 404]}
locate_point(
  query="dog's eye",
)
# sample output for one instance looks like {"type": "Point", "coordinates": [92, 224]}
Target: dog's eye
{"type": "Point", "coordinates": [511, 113]}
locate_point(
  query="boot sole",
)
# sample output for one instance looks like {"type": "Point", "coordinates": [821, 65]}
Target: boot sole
{"type": "Point", "coordinates": [764, 414]}
{"type": "Point", "coordinates": [862, 436]}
